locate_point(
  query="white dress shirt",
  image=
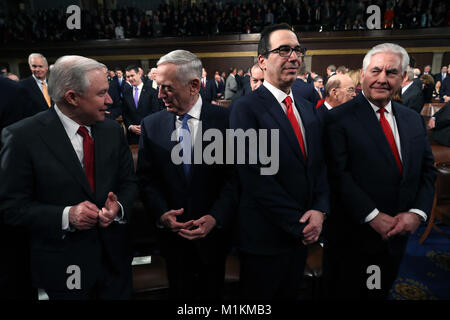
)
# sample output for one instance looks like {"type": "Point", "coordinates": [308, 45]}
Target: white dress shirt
{"type": "Point", "coordinates": [71, 128]}
{"type": "Point", "coordinates": [39, 83]}
{"type": "Point", "coordinates": [280, 96]}
{"type": "Point", "coordinates": [406, 87]}
{"type": "Point", "coordinates": [193, 122]}
{"type": "Point", "coordinates": [389, 115]}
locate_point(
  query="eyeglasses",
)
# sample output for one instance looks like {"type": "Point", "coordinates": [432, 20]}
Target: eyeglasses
{"type": "Point", "coordinates": [286, 51]}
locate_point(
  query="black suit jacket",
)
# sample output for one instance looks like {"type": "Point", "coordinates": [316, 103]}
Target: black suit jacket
{"type": "Point", "coordinates": [209, 92]}
{"type": "Point", "coordinates": [115, 108]}
{"type": "Point", "coordinates": [11, 104]}
{"type": "Point", "coordinates": [413, 98]}
{"type": "Point", "coordinates": [445, 88]}
{"type": "Point", "coordinates": [148, 104]}
{"type": "Point", "coordinates": [271, 205]}
{"type": "Point", "coordinates": [441, 132]}
{"type": "Point", "coordinates": [364, 175]}
{"type": "Point", "coordinates": [306, 91]}
{"type": "Point", "coordinates": [164, 186]}
{"type": "Point", "coordinates": [42, 175]}
{"type": "Point", "coordinates": [35, 98]}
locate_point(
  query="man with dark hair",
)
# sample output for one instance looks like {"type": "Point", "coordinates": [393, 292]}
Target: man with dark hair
{"type": "Point", "coordinates": [207, 88]}
{"type": "Point", "coordinates": [67, 178]}
{"type": "Point", "coordinates": [303, 88]}
{"type": "Point", "coordinates": [139, 101]}
{"type": "Point", "coordinates": [281, 211]}
{"type": "Point", "coordinates": [382, 175]}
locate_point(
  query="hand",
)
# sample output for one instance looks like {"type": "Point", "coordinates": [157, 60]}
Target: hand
{"type": "Point", "coordinates": [382, 224]}
{"type": "Point", "coordinates": [406, 223]}
{"type": "Point", "coordinates": [313, 229]}
{"type": "Point", "coordinates": [109, 211]}
{"type": "Point", "coordinates": [205, 225]}
{"type": "Point", "coordinates": [431, 123]}
{"type": "Point", "coordinates": [84, 215]}
{"type": "Point", "coordinates": [169, 220]}
{"type": "Point", "coordinates": [213, 102]}
{"type": "Point", "coordinates": [446, 98]}
{"type": "Point", "coordinates": [136, 129]}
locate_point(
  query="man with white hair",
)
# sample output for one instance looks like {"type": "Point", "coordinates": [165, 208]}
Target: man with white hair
{"type": "Point", "coordinates": [192, 202]}
{"type": "Point", "coordinates": [382, 175]}
{"type": "Point", "coordinates": [67, 178]}
{"type": "Point", "coordinates": [412, 96]}
{"type": "Point", "coordinates": [35, 87]}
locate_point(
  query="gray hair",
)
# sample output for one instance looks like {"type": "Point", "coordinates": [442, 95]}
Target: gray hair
{"type": "Point", "coordinates": [37, 55]}
{"type": "Point", "coordinates": [410, 73]}
{"type": "Point", "coordinates": [188, 65]}
{"type": "Point", "coordinates": [387, 47]}
{"type": "Point", "coordinates": [70, 73]}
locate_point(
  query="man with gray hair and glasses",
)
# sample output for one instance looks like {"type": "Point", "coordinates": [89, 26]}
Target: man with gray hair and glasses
{"type": "Point", "coordinates": [382, 175]}
{"type": "Point", "coordinates": [67, 178]}
{"type": "Point", "coordinates": [192, 202]}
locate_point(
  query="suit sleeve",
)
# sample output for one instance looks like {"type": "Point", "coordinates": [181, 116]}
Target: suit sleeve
{"type": "Point", "coordinates": [127, 186]}
{"type": "Point", "coordinates": [17, 203]}
{"type": "Point", "coordinates": [279, 207]}
{"type": "Point", "coordinates": [149, 177]}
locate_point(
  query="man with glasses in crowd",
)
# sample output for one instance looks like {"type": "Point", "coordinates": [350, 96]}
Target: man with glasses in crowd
{"type": "Point", "coordinates": [279, 214]}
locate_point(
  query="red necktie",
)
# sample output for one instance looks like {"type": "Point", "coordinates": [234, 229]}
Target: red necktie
{"type": "Point", "coordinates": [203, 82]}
{"type": "Point", "coordinates": [390, 138]}
{"type": "Point", "coordinates": [293, 120]}
{"type": "Point", "coordinates": [88, 150]}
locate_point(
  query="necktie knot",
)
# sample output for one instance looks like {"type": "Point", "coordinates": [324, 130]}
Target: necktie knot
{"type": "Point", "coordinates": [288, 102]}
{"type": "Point", "coordinates": [381, 111]}
{"type": "Point", "coordinates": [184, 119]}
{"type": "Point", "coordinates": [82, 131]}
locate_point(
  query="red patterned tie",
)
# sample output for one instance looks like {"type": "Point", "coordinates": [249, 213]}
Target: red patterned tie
{"type": "Point", "coordinates": [293, 120]}
{"type": "Point", "coordinates": [390, 138]}
{"type": "Point", "coordinates": [88, 150]}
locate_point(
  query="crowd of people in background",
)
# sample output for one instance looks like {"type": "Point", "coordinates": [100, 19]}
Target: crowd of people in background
{"type": "Point", "coordinates": [217, 18]}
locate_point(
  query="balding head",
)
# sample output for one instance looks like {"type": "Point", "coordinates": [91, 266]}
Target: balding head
{"type": "Point", "coordinates": [339, 89]}
{"type": "Point", "coordinates": [256, 77]}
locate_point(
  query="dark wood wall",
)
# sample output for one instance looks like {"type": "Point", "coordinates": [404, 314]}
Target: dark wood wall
{"type": "Point", "coordinates": [222, 52]}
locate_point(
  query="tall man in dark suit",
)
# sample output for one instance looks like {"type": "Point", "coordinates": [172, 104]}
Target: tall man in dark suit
{"type": "Point", "coordinates": [139, 101]}
{"type": "Point", "coordinates": [281, 211]}
{"type": "Point", "coordinates": [192, 203]}
{"type": "Point", "coordinates": [412, 95]}
{"type": "Point", "coordinates": [35, 87]}
{"type": "Point", "coordinates": [15, 272]}
{"type": "Point", "coordinates": [382, 176]}
{"type": "Point", "coordinates": [67, 178]}
{"type": "Point", "coordinates": [207, 88]}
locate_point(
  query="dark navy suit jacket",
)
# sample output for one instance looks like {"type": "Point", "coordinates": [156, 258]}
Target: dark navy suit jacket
{"type": "Point", "coordinates": [306, 91]}
{"type": "Point", "coordinates": [272, 205]}
{"type": "Point", "coordinates": [35, 101]}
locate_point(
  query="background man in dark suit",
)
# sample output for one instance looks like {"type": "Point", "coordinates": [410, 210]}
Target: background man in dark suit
{"type": "Point", "coordinates": [279, 213]}
{"type": "Point", "coordinates": [445, 89]}
{"type": "Point", "coordinates": [68, 178]}
{"type": "Point", "coordinates": [338, 90]}
{"type": "Point", "coordinates": [303, 88]}
{"type": "Point", "coordinates": [220, 85]}
{"type": "Point", "coordinates": [192, 203]}
{"type": "Point", "coordinates": [139, 101]}
{"type": "Point", "coordinates": [35, 87]}
{"type": "Point", "coordinates": [442, 75]}
{"type": "Point", "coordinates": [207, 88]}
{"type": "Point", "coordinates": [120, 83]}
{"type": "Point", "coordinates": [15, 275]}
{"type": "Point", "coordinates": [412, 96]}
{"type": "Point", "coordinates": [440, 125]}
{"type": "Point", "coordinates": [382, 176]}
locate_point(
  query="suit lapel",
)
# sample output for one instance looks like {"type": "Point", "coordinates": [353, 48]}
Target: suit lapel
{"type": "Point", "coordinates": [370, 123]}
{"type": "Point", "coordinates": [101, 144]}
{"type": "Point", "coordinates": [54, 135]}
{"type": "Point", "coordinates": [404, 139]}
{"type": "Point", "coordinates": [273, 107]}
{"type": "Point", "coordinates": [38, 93]}
{"type": "Point", "coordinates": [307, 121]}
{"type": "Point", "coordinates": [168, 124]}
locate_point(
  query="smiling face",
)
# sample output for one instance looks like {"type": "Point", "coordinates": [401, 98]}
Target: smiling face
{"type": "Point", "coordinates": [133, 78]}
{"type": "Point", "coordinates": [90, 107]}
{"type": "Point", "coordinates": [281, 71]}
{"type": "Point", "coordinates": [38, 67]}
{"type": "Point", "coordinates": [382, 78]}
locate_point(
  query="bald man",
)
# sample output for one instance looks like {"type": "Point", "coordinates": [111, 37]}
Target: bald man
{"type": "Point", "coordinates": [256, 77]}
{"type": "Point", "coordinates": [338, 90]}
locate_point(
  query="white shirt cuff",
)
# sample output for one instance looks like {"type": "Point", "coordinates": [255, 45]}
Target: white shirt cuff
{"type": "Point", "coordinates": [65, 219]}
{"type": "Point", "coordinates": [120, 214]}
{"type": "Point", "coordinates": [372, 215]}
{"type": "Point", "coordinates": [419, 212]}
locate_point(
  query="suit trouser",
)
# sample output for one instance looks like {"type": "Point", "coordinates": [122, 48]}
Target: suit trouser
{"type": "Point", "coordinates": [272, 277]}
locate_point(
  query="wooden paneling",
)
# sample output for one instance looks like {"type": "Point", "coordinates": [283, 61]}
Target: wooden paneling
{"type": "Point", "coordinates": [320, 63]}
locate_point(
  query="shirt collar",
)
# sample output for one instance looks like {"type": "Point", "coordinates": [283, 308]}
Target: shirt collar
{"type": "Point", "coordinates": [406, 87]}
{"type": "Point", "coordinates": [327, 105]}
{"type": "Point", "coordinates": [139, 86]}
{"type": "Point", "coordinates": [195, 110]}
{"type": "Point", "coordinates": [39, 80]}
{"type": "Point", "coordinates": [277, 93]}
{"type": "Point", "coordinates": [69, 125]}
{"type": "Point", "coordinates": [375, 108]}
